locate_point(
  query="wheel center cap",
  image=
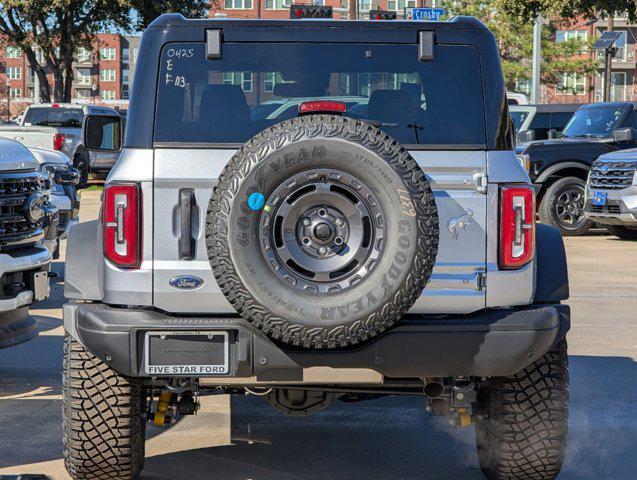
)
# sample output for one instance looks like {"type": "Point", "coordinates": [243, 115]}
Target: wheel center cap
{"type": "Point", "coordinates": [322, 231]}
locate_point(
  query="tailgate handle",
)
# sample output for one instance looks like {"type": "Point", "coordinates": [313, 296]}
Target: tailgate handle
{"type": "Point", "coordinates": [186, 240]}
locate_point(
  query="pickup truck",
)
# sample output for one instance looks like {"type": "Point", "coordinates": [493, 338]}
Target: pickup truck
{"type": "Point", "coordinates": [320, 258]}
{"type": "Point", "coordinates": [58, 126]}
{"type": "Point", "coordinates": [559, 167]}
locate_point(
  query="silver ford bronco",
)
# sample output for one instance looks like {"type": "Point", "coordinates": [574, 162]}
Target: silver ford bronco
{"type": "Point", "coordinates": [376, 236]}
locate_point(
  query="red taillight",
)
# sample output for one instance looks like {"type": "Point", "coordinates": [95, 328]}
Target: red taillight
{"type": "Point", "coordinates": [322, 106]}
{"type": "Point", "coordinates": [517, 226]}
{"type": "Point", "coordinates": [58, 141]}
{"type": "Point", "coordinates": [121, 227]}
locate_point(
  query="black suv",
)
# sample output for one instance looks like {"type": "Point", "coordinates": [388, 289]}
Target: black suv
{"type": "Point", "coordinates": [559, 167]}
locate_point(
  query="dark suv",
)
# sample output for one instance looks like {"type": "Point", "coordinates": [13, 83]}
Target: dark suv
{"type": "Point", "coordinates": [370, 245]}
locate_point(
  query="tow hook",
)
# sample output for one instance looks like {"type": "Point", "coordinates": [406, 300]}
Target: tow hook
{"type": "Point", "coordinates": [170, 404]}
{"type": "Point", "coordinates": [451, 398]}
{"type": "Point", "coordinates": [463, 394]}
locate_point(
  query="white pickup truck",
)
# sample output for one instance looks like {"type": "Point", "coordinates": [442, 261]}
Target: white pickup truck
{"type": "Point", "coordinates": [58, 126]}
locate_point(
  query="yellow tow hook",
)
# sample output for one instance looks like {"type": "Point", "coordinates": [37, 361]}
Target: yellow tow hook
{"type": "Point", "coordinates": [163, 405]}
{"type": "Point", "coordinates": [464, 419]}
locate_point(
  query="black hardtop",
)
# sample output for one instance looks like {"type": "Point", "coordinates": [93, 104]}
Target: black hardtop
{"type": "Point", "coordinates": [557, 107]}
{"type": "Point", "coordinates": [174, 28]}
{"type": "Point", "coordinates": [172, 20]}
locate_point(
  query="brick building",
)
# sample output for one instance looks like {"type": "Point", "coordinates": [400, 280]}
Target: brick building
{"type": "Point", "coordinates": [102, 74]}
{"type": "Point", "coordinates": [281, 8]}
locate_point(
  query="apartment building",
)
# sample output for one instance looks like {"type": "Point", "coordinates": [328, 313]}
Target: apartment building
{"type": "Point", "coordinates": [281, 8]}
{"type": "Point", "coordinates": [103, 74]}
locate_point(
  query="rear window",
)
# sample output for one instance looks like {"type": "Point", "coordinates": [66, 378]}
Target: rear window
{"type": "Point", "coordinates": [54, 117]}
{"type": "Point", "coordinates": [253, 86]}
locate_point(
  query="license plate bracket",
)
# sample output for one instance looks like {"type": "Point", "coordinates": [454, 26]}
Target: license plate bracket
{"type": "Point", "coordinates": [188, 353]}
{"type": "Point", "coordinates": [40, 283]}
{"type": "Point", "coordinates": [599, 198]}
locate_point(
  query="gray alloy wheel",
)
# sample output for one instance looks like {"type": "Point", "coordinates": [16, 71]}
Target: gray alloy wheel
{"type": "Point", "coordinates": [327, 235]}
{"type": "Point", "coordinates": [563, 207]}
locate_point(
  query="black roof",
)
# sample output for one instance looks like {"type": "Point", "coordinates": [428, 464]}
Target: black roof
{"type": "Point", "coordinates": [557, 107]}
{"type": "Point", "coordinates": [611, 104]}
{"type": "Point", "coordinates": [178, 20]}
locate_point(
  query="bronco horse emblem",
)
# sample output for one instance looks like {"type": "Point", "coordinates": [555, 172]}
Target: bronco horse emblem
{"type": "Point", "coordinates": [462, 222]}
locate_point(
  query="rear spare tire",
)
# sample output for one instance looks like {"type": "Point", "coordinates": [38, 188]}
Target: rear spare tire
{"type": "Point", "coordinates": [322, 231]}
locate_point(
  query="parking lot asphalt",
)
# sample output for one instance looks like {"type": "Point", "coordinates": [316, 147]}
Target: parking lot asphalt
{"type": "Point", "coordinates": [244, 438]}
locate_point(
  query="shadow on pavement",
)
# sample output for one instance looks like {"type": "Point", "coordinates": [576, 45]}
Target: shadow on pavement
{"type": "Point", "coordinates": [395, 438]}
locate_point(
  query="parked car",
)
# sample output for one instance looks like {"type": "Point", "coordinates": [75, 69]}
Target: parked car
{"type": "Point", "coordinates": [320, 258]}
{"type": "Point", "coordinates": [541, 122]}
{"type": "Point", "coordinates": [515, 98]}
{"type": "Point", "coordinates": [559, 167]}
{"type": "Point", "coordinates": [58, 126]}
{"type": "Point", "coordinates": [64, 178]}
{"type": "Point", "coordinates": [611, 193]}
{"type": "Point", "coordinates": [28, 224]}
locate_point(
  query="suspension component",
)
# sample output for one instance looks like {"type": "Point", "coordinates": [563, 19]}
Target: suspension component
{"type": "Point", "coordinates": [165, 409]}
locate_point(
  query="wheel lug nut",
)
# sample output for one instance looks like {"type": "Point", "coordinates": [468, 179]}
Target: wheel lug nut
{"type": "Point", "coordinates": [339, 222]}
{"type": "Point", "coordinates": [322, 250]}
{"type": "Point", "coordinates": [306, 221]}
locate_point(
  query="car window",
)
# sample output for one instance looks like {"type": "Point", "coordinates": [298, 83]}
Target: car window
{"type": "Point", "coordinates": [518, 118]}
{"type": "Point", "coordinates": [632, 119]}
{"type": "Point", "coordinates": [54, 117]}
{"type": "Point", "coordinates": [596, 122]}
{"type": "Point", "coordinates": [222, 101]}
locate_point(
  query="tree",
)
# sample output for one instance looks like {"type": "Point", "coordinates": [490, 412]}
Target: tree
{"type": "Point", "coordinates": [147, 11]}
{"type": "Point", "coordinates": [514, 36]}
{"type": "Point", "coordinates": [50, 32]}
{"type": "Point", "coordinates": [569, 9]}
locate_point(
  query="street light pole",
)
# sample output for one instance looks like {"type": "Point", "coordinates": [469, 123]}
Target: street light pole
{"type": "Point", "coordinates": [608, 61]}
{"type": "Point", "coordinates": [537, 58]}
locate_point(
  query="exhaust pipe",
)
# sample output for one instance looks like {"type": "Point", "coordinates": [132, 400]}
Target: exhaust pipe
{"type": "Point", "coordinates": [434, 389]}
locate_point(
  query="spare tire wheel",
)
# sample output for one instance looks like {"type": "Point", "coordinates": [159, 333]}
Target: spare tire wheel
{"type": "Point", "coordinates": [322, 231]}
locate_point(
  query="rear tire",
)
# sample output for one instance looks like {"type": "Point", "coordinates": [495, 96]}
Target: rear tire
{"type": "Point", "coordinates": [102, 418]}
{"type": "Point", "coordinates": [623, 233]}
{"type": "Point", "coordinates": [522, 420]}
{"type": "Point", "coordinates": [563, 207]}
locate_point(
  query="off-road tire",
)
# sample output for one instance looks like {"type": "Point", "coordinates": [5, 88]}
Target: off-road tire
{"type": "Point", "coordinates": [521, 421]}
{"type": "Point", "coordinates": [546, 211]}
{"type": "Point", "coordinates": [102, 418]}
{"type": "Point", "coordinates": [295, 317]}
{"type": "Point", "coordinates": [622, 232]}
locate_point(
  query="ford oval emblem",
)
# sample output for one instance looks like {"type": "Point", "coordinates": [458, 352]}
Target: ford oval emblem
{"type": "Point", "coordinates": [186, 282]}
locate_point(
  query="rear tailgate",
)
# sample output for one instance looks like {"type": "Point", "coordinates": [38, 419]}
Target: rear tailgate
{"type": "Point", "coordinates": [197, 130]}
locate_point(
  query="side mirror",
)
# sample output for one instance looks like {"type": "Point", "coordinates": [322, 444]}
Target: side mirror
{"type": "Point", "coordinates": [67, 177]}
{"type": "Point", "coordinates": [552, 133]}
{"type": "Point", "coordinates": [526, 136]}
{"type": "Point", "coordinates": [624, 134]}
{"type": "Point", "coordinates": [103, 133]}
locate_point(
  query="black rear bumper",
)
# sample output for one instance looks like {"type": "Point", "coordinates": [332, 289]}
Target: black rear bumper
{"type": "Point", "coordinates": [489, 343]}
